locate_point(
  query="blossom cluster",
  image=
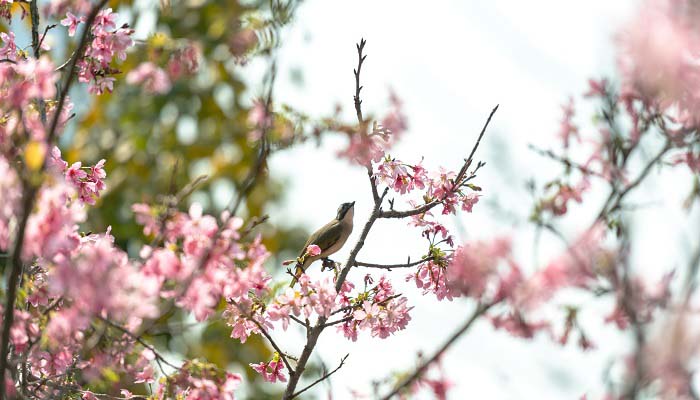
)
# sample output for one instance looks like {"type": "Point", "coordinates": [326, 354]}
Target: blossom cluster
{"type": "Point", "coordinates": [198, 380]}
{"type": "Point", "coordinates": [369, 147]}
{"type": "Point", "coordinates": [183, 62]}
{"type": "Point", "coordinates": [107, 43]}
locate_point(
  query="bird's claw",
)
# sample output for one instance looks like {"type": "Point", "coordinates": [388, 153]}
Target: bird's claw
{"type": "Point", "coordinates": [328, 264]}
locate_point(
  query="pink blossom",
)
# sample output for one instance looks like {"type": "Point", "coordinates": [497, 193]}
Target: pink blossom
{"type": "Point", "coordinates": [271, 371]}
{"type": "Point", "coordinates": [516, 324]}
{"type": "Point", "coordinates": [152, 78]}
{"type": "Point", "coordinates": [9, 48]}
{"type": "Point", "coordinates": [184, 61]}
{"type": "Point", "coordinates": [567, 128]}
{"type": "Point", "coordinates": [657, 56]}
{"type": "Point", "coordinates": [578, 266]}
{"type": "Point", "coordinates": [364, 149]}
{"type": "Point", "coordinates": [432, 277]}
{"type": "Point", "coordinates": [474, 266]}
{"type": "Point", "coordinates": [395, 122]}
{"type": "Point", "coordinates": [367, 314]}
{"type": "Point", "coordinates": [260, 119]}
{"type": "Point", "coordinates": [468, 201]}
{"type": "Point", "coordinates": [313, 250]}
{"type": "Point", "coordinates": [71, 21]}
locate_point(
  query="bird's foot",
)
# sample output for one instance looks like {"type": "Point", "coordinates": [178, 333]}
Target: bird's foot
{"type": "Point", "coordinates": [328, 264]}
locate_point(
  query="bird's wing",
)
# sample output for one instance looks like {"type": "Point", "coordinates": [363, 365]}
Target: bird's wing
{"type": "Point", "coordinates": [325, 237]}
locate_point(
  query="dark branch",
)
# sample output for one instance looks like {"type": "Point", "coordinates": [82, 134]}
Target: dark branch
{"type": "Point", "coordinates": [139, 340]}
{"type": "Point", "coordinates": [458, 182]}
{"type": "Point", "coordinates": [269, 338]}
{"type": "Point", "coordinates": [360, 59]}
{"type": "Point", "coordinates": [71, 71]}
{"type": "Point", "coordinates": [389, 267]}
{"type": "Point", "coordinates": [568, 163]}
{"type": "Point", "coordinates": [480, 310]}
{"type": "Point", "coordinates": [323, 378]}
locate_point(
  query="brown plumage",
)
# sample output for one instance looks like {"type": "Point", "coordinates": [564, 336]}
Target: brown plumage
{"type": "Point", "coordinates": [330, 238]}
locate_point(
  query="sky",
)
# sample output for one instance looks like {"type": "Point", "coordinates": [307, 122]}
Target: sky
{"type": "Point", "coordinates": [451, 62]}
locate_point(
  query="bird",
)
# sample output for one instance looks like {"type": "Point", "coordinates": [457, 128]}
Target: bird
{"type": "Point", "coordinates": [330, 238]}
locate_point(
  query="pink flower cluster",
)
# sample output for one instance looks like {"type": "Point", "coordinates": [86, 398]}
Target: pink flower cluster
{"type": "Point", "coordinates": [271, 371]}
{"type": "Point", "coordinates": [558, 202]}
{"type": "Point", "coordinates": [366, 148]}
{"type": "Point", "coordinates": [155, 80]}
{"type": "Point", "coordinates": [198, 380]}
{"type": "Point", "coordinates": [184, 61]}
{"type": "Point", "coordinates": [378, 310]}
{"type": "Point", "coordinates": [87, 181]}
{"type": "Point", "coordinates": [204, 256]}
{"type": "Point", "coordinates": [439, 186]}
{"type": "Point", "coordinates": [23, 81]}
{"type": "Point", "coordinates": [107, 43]}
{"type": "Point", "coordinates": [657, 58]}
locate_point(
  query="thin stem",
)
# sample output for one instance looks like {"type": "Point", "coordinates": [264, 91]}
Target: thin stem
{"type": "Point", "coordinates": [72, 70]}
{"type": "Point", "coordinates": [267, 336]}
{"type": "Point", "coordinates": [568, 163]}
{"type": "Point", "coordinates": [458, 182]}
{"type": "Point", "coordinates": [389, 267]}
{"type": "Point", "coordinates": [15, 266]}
{"type": "Point", "coordinates": [360, 59]}
{"type": "Point", "coordinates": [480, 310]}
{"type": "Point", "coordinates": [138, 339]}
{"type": "Point", "coordinates": [323, 378]}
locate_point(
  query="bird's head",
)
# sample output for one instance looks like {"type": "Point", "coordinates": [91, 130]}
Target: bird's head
{"type": "Point", "coordinates": [345, 211]}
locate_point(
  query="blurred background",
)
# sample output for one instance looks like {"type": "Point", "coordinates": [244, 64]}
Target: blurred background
{"type": "Point", "coordinates": [450, 63]}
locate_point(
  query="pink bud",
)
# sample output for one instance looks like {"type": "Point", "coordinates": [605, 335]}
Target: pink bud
{"type": "Point", "coordinates": [313, 250]}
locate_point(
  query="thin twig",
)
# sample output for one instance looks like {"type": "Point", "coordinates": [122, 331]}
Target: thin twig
{"type": "Point", "coordinates": [323, 378]}
{"type": "Point", "coordinates": [458, 182]}
{"type": "Point", "coordinates": [267, 336]}
{"type": "Point", "coordinates": [138, 339]}
{"type": "Point", "coordinates": [568, 163]}
{"type": "Point", "coordinates": [392, 266]}
{"type": "Point", "coordinates": [71, 71]}
{"type": "Point", "coordinates": [480, 310]}
{"type": "Point", "coordinates": [360, 59]}
{"type": "Point", "coordinates": [346, 308]}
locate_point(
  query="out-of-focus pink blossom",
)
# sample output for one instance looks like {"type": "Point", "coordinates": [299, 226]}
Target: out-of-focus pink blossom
{"type": "Point", "coordinates": [474, 266]}
{"type": "Point", "coordinates": [658, 51]}
{"type": "Point", "coordinates": [567, 128]}
{"type": "Point", "coordinates": [152, 78]}
{"type": "Point", "coordinates": [184, 61]}
{"type": "Point", "coordinates": [579, 266]}
{"type": "Point", "coordinates": [72, 22]}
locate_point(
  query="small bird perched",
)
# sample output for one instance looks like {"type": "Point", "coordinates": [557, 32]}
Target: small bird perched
{"type": "Point", "coordinates": [329, 238]}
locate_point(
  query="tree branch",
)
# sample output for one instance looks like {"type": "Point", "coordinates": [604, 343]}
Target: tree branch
{"type": "Point", "coordinates": [71, 71]}
{"type": "Point", "coordinates": [389, 267]}
{"type": "Point", "coordinates": [323, 378]}
{"type": "Point", "coordinates": [480, 310]}
{"type": "Point", "coordinates": [139, 340]}
{"type": "Point", "coordinates": [360, 59]}
{"type": "Point", "coordinates": [269, 338]}
{"type": "Point", "coordinates": [459, 180]}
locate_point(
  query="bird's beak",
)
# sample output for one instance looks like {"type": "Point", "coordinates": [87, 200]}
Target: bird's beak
{"type": "Point", "coordinates": [352, 204]}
